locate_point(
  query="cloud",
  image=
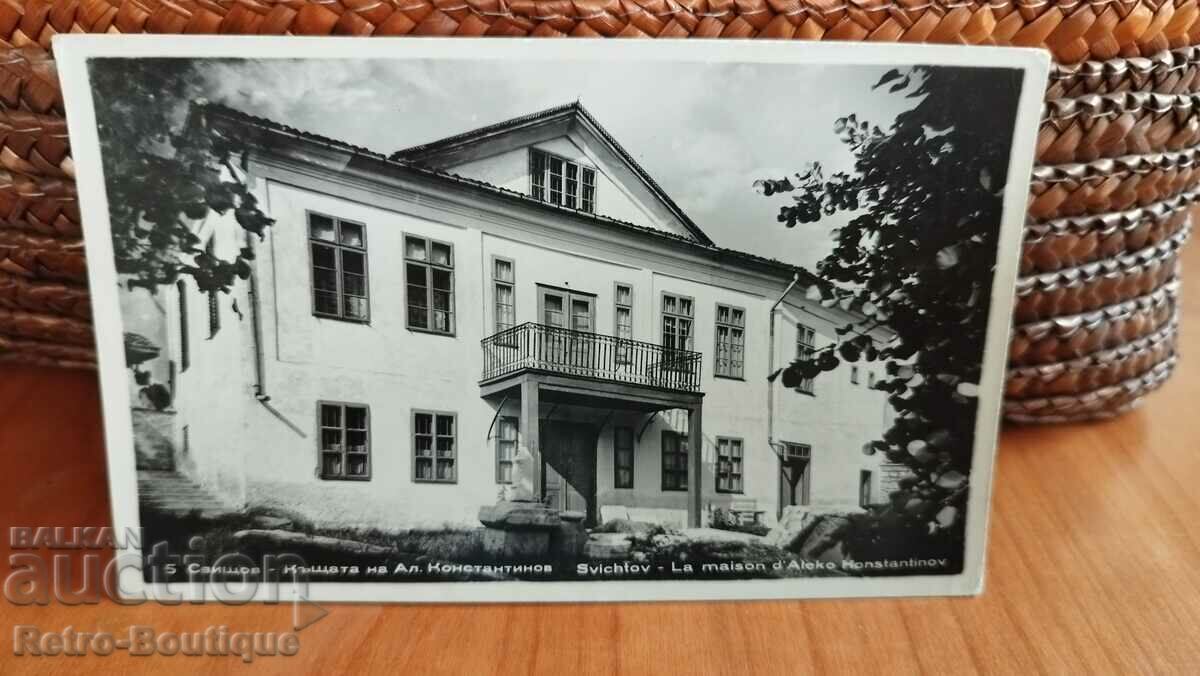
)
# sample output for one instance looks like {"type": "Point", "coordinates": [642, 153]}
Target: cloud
{"type": "Point", "coordinates": [705, 131]}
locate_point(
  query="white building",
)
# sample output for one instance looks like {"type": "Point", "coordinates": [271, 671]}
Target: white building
{"type": "Point", "coordinates": [412, 320]}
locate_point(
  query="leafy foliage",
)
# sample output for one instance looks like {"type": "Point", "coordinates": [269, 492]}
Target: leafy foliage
{"type": "Point", "coordinates": [164, 171]}
{"type": "Point", "coordinates": [916, 257]}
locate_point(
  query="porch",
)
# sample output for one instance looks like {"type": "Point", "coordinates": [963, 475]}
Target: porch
{"type": "Point", "coordinates": [537, 364]}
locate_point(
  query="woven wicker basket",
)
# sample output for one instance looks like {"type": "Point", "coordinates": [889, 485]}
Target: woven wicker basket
{"type": "Point", "coordinates": [1110, 202]}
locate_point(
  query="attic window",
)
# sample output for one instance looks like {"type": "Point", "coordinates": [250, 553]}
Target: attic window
{"type": "Point", "coordinates": [559, 181]}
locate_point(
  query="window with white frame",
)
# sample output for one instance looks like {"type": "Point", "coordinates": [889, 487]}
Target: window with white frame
{"type": "Point", "coordinates": [214, 314]}
{"type": "Point", "coordinates": [729, 465]}
{"type": "Point", "coordinates": [623, 319]}
{"type": "Point", "coordinates": [674, 461]}
{"type": "Point", "coordinates": [805, 347]}
{"type": "Point", "coordinates": [185, 349]}
{"type": "Point", "coordinates": [677, 319]}
{"type": "Point", "coordinates": [730, 341]}
{"type": "Point", "coordinates": [214, 307]}
{"type": "Point", "coordinates": [793, 451]}
{"type": "Point", "coordinates": [345, 441]}
{"type": "Point", "coordinates": [434, 447]}
{"type": "Point", "coordinates": [339, 268]}
{"type": "Point", "coordinates": [503, 283]}
{"type": "Point", "coordinates": [506, 448]}
{"type": "Point", "coordinates": [622, 457]}
{"type": "Point", "coordinates": [560, 181]}
{"type": "Point", "coordinates": [429, 275]}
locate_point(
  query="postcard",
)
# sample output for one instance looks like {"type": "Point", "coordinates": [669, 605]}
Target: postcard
{"type": "Point", "coordinates": [475, 320]}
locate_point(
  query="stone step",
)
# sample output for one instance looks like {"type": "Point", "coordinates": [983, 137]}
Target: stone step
{"type": "Point", "coordinates": [177, 495]}
{"type": "Point", "coordinates": [167, 480]}
{"type": "Point", "coordinates": [196, 502]}
{"type": "Point", "coordinates": [206, 514]}
{"type": "Point", "coordinates": [199, 497]}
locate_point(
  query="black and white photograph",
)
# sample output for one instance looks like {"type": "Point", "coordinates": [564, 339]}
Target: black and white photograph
{"type": "Point", "coordinates": [515, 321]}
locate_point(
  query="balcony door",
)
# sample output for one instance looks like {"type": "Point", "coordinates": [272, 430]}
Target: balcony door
{"type": "Point", "coordinates": [571, 316]}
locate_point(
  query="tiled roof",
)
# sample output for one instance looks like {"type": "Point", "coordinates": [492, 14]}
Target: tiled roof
{"type": "Point", "coordinates": [575, 109]}
{"type": "Point", "coordinates": [716, 252]}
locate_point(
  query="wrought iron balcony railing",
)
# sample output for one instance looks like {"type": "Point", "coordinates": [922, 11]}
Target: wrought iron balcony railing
{"type": "Point", "coordinates": [539, 347]}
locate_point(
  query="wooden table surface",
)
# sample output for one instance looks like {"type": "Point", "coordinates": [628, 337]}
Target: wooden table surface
{"type": "Point", "coordinates": [1093, 567]}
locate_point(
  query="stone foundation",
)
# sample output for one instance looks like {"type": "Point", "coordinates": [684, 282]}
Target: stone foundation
{"type": "Point", "coordinates": [568, 540]}
{"type": "Point", "coordinates": [516, 544]}
{"type": "Point", "coordinates": [522, 530]}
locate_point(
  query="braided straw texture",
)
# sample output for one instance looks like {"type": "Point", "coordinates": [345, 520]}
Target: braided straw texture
{"type": "Point", "coordinates": [1079, 240]}
{"type": "Point", "coordinates": [1110, 206]}
{"type": "Point", "coordinates": [1119, 163]}
{"type": "Point", "coordinates": [1096, 370]}
{"type": "Point", "coordinates": [1097, 404]}
{"type": "Point", "coordinates": [43, 353]}
{"type": "Point", "coordinates": [1171, 72]}
{"type": "Point", "coordinates": [1073, 30]}
{"type": "Point", "coordinates": [1108, 185]}
{"type": "Point", "coordinates": [1070, 337]}
{"type": "Point", "coordinates": [1110, 125]}
{"type": "Point", "coordinates": [1072, 291]}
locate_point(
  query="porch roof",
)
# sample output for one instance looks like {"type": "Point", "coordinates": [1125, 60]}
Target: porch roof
{"type": "Point", "coordinates": [592, 392]}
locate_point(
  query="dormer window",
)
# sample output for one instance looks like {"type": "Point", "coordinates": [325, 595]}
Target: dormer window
{"type": "Point", "coordinates": [559, 181]}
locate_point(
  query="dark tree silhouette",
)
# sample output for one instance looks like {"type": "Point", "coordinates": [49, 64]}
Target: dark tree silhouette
{"type": "Point", "coordinates": [163, 171]}
{"type": "Point", "coordinates": [916, 257]}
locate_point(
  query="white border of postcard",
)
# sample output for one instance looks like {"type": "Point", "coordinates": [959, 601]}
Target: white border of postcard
{"type": "Point", "coordinates": [72, 52]}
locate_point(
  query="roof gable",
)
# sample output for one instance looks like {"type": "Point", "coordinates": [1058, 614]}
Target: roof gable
{"type": "Point", "coordinates": [271, 140]}
{"type": "Point", "coordinates": [497, 154]}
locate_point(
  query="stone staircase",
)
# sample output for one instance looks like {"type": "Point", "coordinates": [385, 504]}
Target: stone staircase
{"type": "Point", "coordinates": [178, 495]}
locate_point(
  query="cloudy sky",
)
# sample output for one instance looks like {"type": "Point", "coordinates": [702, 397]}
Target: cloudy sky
{"type": "Point", "coordinates": [704, 131]}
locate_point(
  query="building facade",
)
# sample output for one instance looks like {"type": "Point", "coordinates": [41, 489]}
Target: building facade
{"type": "Point", "coordinates": [414, 322]}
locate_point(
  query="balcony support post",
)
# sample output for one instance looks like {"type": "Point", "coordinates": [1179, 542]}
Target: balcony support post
{"type": "Point", "coordinates": [695, 498]}
{"type": "Point", "coordinates": [530, 431]}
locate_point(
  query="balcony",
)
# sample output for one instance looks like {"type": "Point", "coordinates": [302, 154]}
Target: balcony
{"type": "Point", "coordinates": [554, 350]}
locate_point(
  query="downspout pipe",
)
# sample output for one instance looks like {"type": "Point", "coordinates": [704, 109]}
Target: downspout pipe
{"type": "Point", "coordinates": [771, 364]}
{"type": "Point", "coordinates": [260, 384]}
